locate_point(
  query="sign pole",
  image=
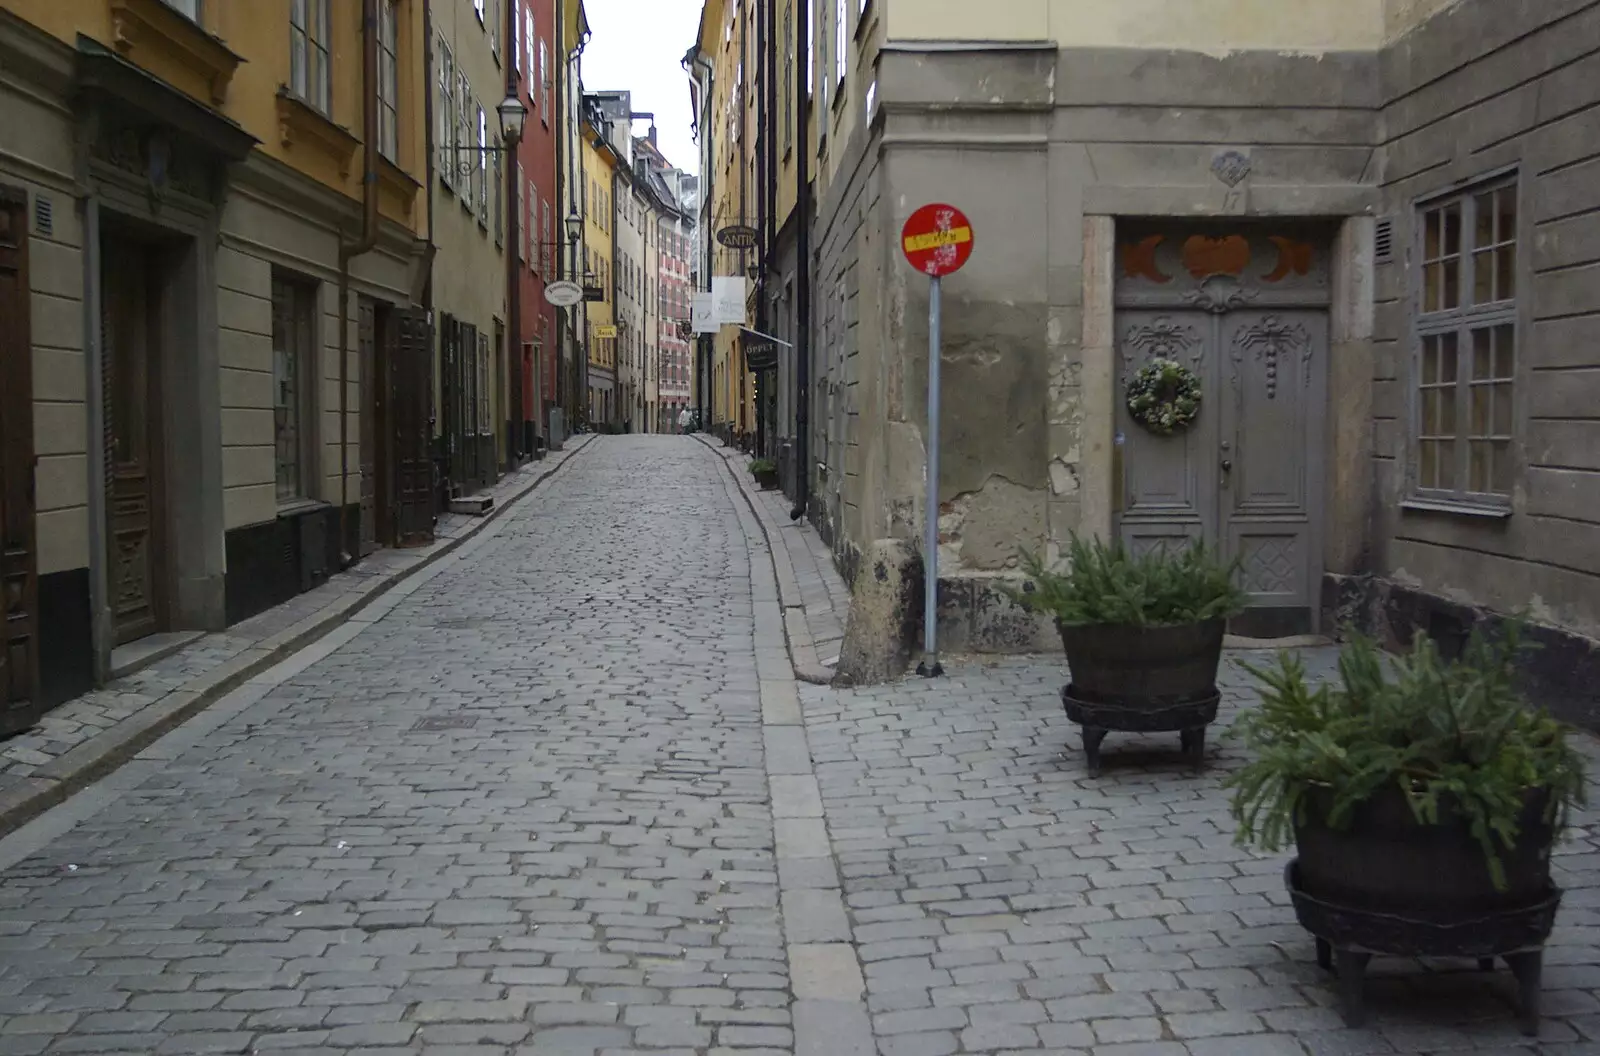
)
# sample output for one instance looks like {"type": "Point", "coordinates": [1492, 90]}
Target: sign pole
{"type": "Point", "coordinates": [930, 667]}
{"type": "Point", "coordinates": [937, 241]}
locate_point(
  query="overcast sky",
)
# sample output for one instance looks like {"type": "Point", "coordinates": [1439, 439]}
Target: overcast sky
{"type": "Point", "coordinates": [638, 46]}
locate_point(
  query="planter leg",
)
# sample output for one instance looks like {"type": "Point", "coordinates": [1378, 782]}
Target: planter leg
{"type": "Point", "coordinates": [1194, 745]}
{"type": "Point", "coordinates": [1527, 967]}
{"type": "Point", "coordinates": [1353, 986]}
{"type": "Point", "coordinates": [1092, 736]}
{"type": "Point", "coordinates": [1324, 955]}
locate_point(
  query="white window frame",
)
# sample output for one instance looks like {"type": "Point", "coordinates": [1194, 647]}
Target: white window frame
{"type": "Point", "coordinates": [310, 49]}
{"type": "Point", "coordinates": [189, 9]}
{"type": "Point", "coordinates": [482, 167]}
{"type": "Point", "coordinates": [544, 82]}
{"type": "Point", "coordinates": [389, 80]}
{"type": "Point", "coordinates": [841, 34]}
{"type": "Point", "coordinates": [1475, 332]}
{"type": "Point", "coordinates": [446, 117]}
{"type": "Point", "coordinates": [463, 139]}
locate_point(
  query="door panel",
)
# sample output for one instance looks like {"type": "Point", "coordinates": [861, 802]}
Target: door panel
{"type": "Point", "coordinates": [370, 408]}
{"type": "Point", "coordinates": [20, 706]}
{"type": "Point", "coordinates": [1274, 406]}
{"type": "Point", "coordinates": [133, 490]}
{"type": "Point", "coordinates": [1169, 484]}
{"type": "Point", "coordinates": [409, 421]}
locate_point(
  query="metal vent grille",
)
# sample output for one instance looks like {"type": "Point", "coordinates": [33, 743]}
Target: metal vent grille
{"type": "Point", "coordinates": [1383, 241]}
{"type": "Point", "coordinates": [44, 215]}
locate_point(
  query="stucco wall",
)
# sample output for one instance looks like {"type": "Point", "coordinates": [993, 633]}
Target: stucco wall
{"type": "Point", "coordinates": [1216, 26]}
{"type": "Point", "coordinates": [1486, 87]}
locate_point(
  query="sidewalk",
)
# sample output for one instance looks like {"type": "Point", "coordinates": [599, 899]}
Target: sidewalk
{"type": "Point", "coordinates": [84, 738]}
{"type": "Point", "coordinates": [815, 598]}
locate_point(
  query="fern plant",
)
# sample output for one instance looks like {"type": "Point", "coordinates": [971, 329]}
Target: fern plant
{"type": "Point", "coordinates": [759, 466]}
{"type": "Point", "coordinates": [1106, 584]}
{"type": "Point", "coordinates": [1453, 736]}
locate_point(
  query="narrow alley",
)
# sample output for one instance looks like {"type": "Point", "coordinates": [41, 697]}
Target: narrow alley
{"type": "Point", "coordinates": [547, 797]}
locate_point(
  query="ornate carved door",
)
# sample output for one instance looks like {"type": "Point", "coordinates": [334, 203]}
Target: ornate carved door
{"type": "Point", "coordinates": [410, 402]}
{"type": "Point", "coordinates": [20, 706]}
{"type": "Point", "coordinates": [130, 332]}
{"type": "Point", "coordinates": [372, 410]}
{"type": "Point", "coordinates": [1246, 313]}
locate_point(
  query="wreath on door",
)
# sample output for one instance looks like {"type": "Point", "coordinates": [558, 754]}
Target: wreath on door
{"type": "Point", "coordinates": [1164, 397]}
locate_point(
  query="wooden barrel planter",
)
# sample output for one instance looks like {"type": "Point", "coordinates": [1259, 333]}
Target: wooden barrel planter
{"type": "Point", "coordinates": [1386, 884]}
{"type": "Point", "coordinates": [1143, 680]}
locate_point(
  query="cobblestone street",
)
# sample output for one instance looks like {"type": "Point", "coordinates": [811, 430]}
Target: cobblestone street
{"type": "Point", "coordinates": [559, 795]}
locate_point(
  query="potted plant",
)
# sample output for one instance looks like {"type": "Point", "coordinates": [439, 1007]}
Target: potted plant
{"type": "Point", "coordinates": [766, 473]}
{"type": "Point", "coordinates": [1423, 796]}
{"type": "Point", "coordinates": [1143, 636]}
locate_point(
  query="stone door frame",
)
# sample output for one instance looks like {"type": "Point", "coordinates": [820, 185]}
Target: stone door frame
{"type": "Point", "coordinates": [1347, 435]}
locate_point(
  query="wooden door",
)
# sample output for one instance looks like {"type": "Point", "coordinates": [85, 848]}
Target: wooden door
{"type": "Point", "coordinates": [409, 429]}
{"type": "Point", "coordinates": [132, 438]}
{"type": "Point", "coordinates": [371, 405]}
{"type": "Point", "coordinates": [20, 706]}
{"type": "Point", "coordinates": [1245, 311]}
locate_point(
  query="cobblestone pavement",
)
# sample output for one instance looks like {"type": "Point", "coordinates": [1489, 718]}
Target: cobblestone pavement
{"type": "Point", "coordinates": [1003, 901]}
{"type": "Point", "coordinates": [525, 808]}
{"type": "Point", "coordinates": [557, 795]}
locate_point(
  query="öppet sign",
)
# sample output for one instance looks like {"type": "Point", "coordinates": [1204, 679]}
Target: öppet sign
{"type": "Point", "coordinates": [937, 239]}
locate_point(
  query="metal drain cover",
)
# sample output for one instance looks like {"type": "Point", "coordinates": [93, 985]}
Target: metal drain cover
{"type": "Point", "coordinates": [445, 722]}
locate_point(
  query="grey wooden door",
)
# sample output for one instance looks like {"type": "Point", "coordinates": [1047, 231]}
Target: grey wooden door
{"type": "Point", "coordinates": [1245, 310]}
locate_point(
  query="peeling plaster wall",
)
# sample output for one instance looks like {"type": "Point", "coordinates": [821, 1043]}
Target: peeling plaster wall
{"type": "Point", "coordinates": [1214, 26]}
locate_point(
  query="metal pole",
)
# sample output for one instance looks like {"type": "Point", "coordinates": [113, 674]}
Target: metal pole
{"type": "Point", "coordinates": [930, 667]}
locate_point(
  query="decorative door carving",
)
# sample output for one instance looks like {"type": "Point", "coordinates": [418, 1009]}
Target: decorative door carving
{"type": "Point", "coordinates": [1246, 312]}
{"type": "Point", "coordinates": [20, 706]}
{"type": "Point", "coordinates": [129, 346]}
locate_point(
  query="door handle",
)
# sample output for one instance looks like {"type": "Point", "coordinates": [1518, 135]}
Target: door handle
{"type": "Point", "coordinates": [1227, 464]}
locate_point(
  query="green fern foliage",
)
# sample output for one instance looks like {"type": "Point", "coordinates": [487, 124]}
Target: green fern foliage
{"type": "Point", "coordinates": [1106, 584]}
{"type": "Point", "coordinates": [1451, 735]}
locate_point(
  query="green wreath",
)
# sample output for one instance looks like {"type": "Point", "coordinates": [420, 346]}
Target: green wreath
{"type": "Point", "coordinates": [1164, 397]}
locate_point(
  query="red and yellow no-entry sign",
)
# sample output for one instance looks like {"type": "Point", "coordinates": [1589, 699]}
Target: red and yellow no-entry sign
{"type": "Point", "coordinates": [937, 239]}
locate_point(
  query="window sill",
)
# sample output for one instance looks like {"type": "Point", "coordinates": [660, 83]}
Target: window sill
{"type": "Point", "coordinates": [155, 25]}
{"type": "Point", "coordinates": [297, 507]}
{"type": "Point", "coordinates": [300, 122]}
{"type": "Point", "coordinates": [1457, 509]}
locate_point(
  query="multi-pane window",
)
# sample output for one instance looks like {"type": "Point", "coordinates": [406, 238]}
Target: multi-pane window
{"type": "Point", "coordinates": [544, 82]}
{"type": "Point", "coordinates": [841, 37]}
{"type": "Point", "coordinates": [523, 189]}
{"type": "Point", "coordinates": [788, 75]}
{"type": "Point", "coordinates": [189, 8]}
{"type": "Point", "coordinates": [293, 385]}
{"type": "Point", "coordinates": [389, 81]}
{"type": "Point", "coordinates": [445, 108]}
{"type": "Point", "coordinates": [498, 187]}
{"type": "Point", "coordinates": [548, 233]}
{"type": "Point", "coordinates": [528, 27]}
{"type": "Point", "coordinates": [481, 167]}
{"type": "Point", "coordinates": [485, 411]}
{"type": "Point", "coordinates": [1467, 346]}
{"type": "Point", "coordinates": [310, 75]}
{"type": "Point", "coordinates": [465, 164]}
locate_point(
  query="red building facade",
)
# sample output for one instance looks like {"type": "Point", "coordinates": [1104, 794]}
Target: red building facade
{"type": "Point", "coordinates": [539, 228]}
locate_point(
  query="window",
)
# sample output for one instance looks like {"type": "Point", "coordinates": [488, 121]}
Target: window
{"type": "Point", "coordinates": [522, 211]}
{"type": "Point", "coordinates": [477, 5]}
{"type": "Point", "coordinates": [310, 76]}
{"type": "Point", "coordinates": [527, 45]}
{"type": "Point", "coordinates": [841, 38]}
{"type": "Point", "coordinates": [498, 182]}
{"type": "Point", "coordinates": [788, 76]}
{"type": "Point", "coordinates": [548, 233]}
{"type": "Point", "coordinates": [187, 8]}
{"type": "Point", "coordinates": [822, 61]}
{"type": "Point", "coordinates": [293, 385]}
{"type": "Point", "coordinates": [446, 110]}
{"type": "Point", "coordinates": [544, 83]}
{"type": "Point", "coordinates": [492, 24]}
{"type": "Point", "coordinates": [462, 160]}
{"type": "Point", "coordinates": [482, 167]}
{"type": "Point", "coordinates": [1467, 346]}
{"type": "Point", "coordinates": [485, 411]}
{"type": "Point", "coordinates": [388, 81]}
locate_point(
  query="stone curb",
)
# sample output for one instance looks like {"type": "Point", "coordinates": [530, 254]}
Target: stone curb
{"type": "Point", "coordinates": [98, 756]}
{"type": "Point", "coordinates": [808, 667]}
{"type": "Point", "coordinates": [829, 1014]}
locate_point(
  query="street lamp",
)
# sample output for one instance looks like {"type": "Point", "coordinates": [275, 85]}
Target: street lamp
{"type": "Point", "coordinates": [513, 117]}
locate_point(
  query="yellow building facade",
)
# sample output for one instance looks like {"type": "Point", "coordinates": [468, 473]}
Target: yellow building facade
{"type": "Point", "coordinates": [211, 308]}
{"type": "Point", "coordinates": [599, 256]}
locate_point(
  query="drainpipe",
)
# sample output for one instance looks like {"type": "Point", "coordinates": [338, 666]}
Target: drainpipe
{"type": "Point", "coordinates": [350, 250]}
{"type": "Point", "coordinates": [428, 116]}
{"type": "Point", "coordinates": [802, 208]}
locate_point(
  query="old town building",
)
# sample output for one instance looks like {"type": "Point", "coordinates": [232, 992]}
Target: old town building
{"type": "Point", "coordinates": [211, 243]}
{"type": "Point", "coordinates": [1364, 226]}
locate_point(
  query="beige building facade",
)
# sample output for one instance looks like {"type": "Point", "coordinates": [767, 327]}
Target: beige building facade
{"type": "Point", "coordinates": [185, 202]}
{"type": "Point", "coordinates": [1360, 225]}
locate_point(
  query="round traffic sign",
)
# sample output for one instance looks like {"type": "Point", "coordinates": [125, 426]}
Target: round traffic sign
{"type": "Point", "coordinates": [937, 239]}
